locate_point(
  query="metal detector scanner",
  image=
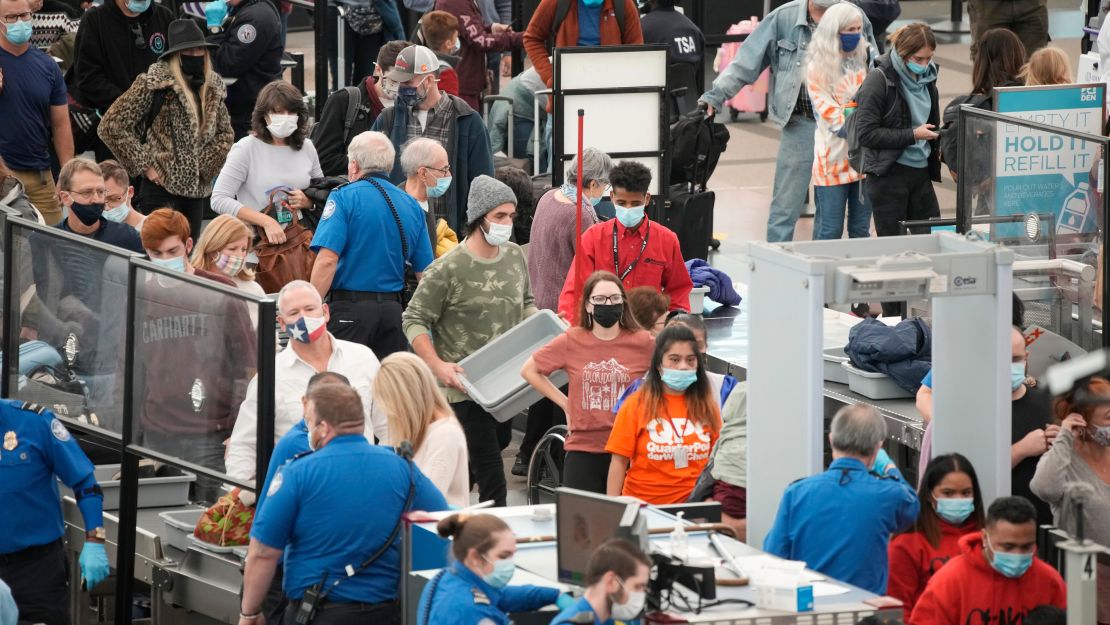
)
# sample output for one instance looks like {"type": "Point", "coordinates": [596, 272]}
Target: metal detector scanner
{"type": "Point", "coordinates": [969, 283]}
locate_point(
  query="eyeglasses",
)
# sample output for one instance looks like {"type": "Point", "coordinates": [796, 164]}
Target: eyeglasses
{"type": "Point", "coordinates": [607, 299]}
{"type": "Point", "coordinates": [140, 41]}
{"type": "Point", "coordinates": [445, 170]}
{"type": "Point", "coordinates": [16, 17]}
{"type": "Point", "coordinates": [94, 193]}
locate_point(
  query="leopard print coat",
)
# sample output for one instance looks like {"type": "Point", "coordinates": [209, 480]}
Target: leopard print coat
{"type": "Point", "coordinates": [187, 163]}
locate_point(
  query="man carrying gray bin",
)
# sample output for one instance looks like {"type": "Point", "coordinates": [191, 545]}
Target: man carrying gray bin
{"type": "Point", "coordinates": [468, 297]}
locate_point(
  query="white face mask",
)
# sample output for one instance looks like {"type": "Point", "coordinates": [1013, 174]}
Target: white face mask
{"type": "Point", "coordinates": [281, 126]}
{"type": "Point", "coordinates": [630, 609]}
{"type": "Point", "coordinates": [498, 234]}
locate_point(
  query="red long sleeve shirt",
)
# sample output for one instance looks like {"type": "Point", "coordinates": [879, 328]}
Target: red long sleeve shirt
{"type": "Point", "coordinates": [913, 561]}
{"type": "Point", "coordinates": [659, 265]}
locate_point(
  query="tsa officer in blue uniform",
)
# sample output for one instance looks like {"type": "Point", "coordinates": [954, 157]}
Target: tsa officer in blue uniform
{"type": "Point", "coordinates": [36, 447]}
{"type": "Point", "coordinates": [250, 49]}
{"type": "Point", "coordinates": [329, 511]}
{"type": "Point", "coordinates": [474, 589]}
{"type": "Point", "coordinates": [616, 587]}
{"type": "Point", "coordinates": [369, 218]}
{"type": "Point", "coordinates": [839, 522]}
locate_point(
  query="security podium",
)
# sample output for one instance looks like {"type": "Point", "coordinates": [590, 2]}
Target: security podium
{"type": "Point", "coordinates": [969, 283]}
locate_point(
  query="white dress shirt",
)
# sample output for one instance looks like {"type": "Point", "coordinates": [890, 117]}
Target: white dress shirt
{"type": "Point", "coordinates": [291, 375]}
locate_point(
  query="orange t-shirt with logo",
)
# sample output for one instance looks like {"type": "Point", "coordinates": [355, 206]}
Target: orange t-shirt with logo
{"type": "Point", "coordinates": [652, 472]}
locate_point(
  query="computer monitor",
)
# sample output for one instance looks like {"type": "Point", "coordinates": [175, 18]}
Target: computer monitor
{"type": "Point", "coordinates": [583, 521]}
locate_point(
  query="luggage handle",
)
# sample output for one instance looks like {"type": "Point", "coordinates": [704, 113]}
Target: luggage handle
{"type": "Point", "coordinates": [486, 106]}
{"type": "Point", "coordinates": [536, 133]}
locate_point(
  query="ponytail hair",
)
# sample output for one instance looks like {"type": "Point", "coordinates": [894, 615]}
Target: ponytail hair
{"type": "Point", "coordinates": [466, 531]}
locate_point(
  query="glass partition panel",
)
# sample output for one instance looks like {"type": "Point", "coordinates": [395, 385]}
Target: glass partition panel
{"type": "Point", "coordinates": [195, 359]}
{"type": "Point", "coordinates": [1037, 190]}
{"type": "Point", "coordinates": [69, 298]}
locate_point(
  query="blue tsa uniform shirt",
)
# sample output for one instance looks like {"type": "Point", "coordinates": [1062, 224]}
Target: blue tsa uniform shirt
{"type": "Point", "coordinates": [582, 613]}
{"type": "Point", "coordinates": [839, 522]}
{"type": "Point", "coordinates": [358, 223]}
{"type": "Point", "coordinates": [459, 597]}
{"type": "Point", "coordinates": [35, 448]}
{"type": "Point", "coordinates": [335, 507]}
{"type": "Point", "coordinates": [289, 447]}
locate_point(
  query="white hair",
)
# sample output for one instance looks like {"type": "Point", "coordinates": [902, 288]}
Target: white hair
{"type": "Point", "coordinates": [595, 166]}
{"type": "Point", "coordinates": [419, 152]}
{"type": "Point", "coordinates": [826, 62]}
{"type": "Point", "coordinates": [372, 151]}
{"type": "Point", "coordinates": [295, 286]}
{"type": "Point", "coordinates": [857, 429]}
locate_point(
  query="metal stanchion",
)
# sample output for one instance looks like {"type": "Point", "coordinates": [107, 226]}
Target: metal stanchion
{"type": "Point", "coordinates": [955, 24]}
{"type": "Point", "coordinates": [341, 59]}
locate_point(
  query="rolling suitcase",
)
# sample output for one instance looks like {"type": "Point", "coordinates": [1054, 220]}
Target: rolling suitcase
{"type": "Point", "coordinates": [750, 99]}
{"type": "Point", "coordinates": [689, 213]}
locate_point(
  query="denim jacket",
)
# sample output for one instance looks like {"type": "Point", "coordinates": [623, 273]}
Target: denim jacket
{"type": "Point", "coordinates": [779, 42]}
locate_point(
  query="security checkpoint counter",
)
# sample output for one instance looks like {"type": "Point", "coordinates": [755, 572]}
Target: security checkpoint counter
{"type": "Point", "coordinates": [196, 586]}
{"type": "Point", "coordinates": [537, 563]}
{"type": "Point", "coordinates": [729, 329]}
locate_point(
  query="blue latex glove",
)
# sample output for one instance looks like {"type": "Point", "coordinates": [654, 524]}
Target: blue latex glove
{"type": "Point", "coordinates": [215, 13]}
{"type": "Point", "coordinates": [94, 564]}
{"type": "Point", "coordinates": [564, 601]}
{"type": "Point", "coordinates": [883, 463]}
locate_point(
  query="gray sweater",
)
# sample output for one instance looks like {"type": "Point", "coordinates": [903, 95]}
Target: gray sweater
{"type": "Point", "coordinates": [1060, 465]}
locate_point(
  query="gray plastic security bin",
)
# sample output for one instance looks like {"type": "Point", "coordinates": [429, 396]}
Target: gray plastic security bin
{"type": "Point", "coordinates": [874, 385]}
{"type": "Point", "coordinates": [834, 358]}
{"type": "Point", "coordinates": [178, 526]}
{"type": "Point", "coordinates": [492, 374]}
{"type": "Point", "coordinates": [154, 492]}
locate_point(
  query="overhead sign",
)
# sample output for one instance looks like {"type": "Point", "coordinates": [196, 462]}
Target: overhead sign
{"type": "Point", "coordinates": [1042, 172]}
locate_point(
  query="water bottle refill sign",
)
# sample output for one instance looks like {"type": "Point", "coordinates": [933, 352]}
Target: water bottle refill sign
{"type": "Point", "coordinates": [1040, 172]}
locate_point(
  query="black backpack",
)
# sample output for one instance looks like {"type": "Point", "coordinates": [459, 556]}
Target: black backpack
{"type": "Point", "coordinates": [949, 132]}
{"type": "Point", "coordinates": [561, 10]}
{"type": "Point", "coordinates": [696, 145]}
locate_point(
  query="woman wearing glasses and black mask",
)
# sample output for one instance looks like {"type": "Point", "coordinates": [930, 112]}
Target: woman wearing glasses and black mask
{"type": "Point", "coordinates": [601, 356]}
{"type": "Point", "coordinates": [172, 128]}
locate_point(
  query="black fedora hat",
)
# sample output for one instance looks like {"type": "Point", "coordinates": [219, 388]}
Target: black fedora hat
{"type": "Point", "coordinates": [185, 34]}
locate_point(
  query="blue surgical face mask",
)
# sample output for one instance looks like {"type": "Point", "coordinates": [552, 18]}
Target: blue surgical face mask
{"type": "Point", "coordinates": [593, 3]}
{"type": "Point", "coordinates": [176, 263]}
{"type": "Point", "coordinates": [679, 379]}
{"type": "Point", "coordinates": [19, 33]}
{"type": "Point", "coordinates": [1017, 375]}
{"type": "Point", "coordinates": [917, 69]}
{"type": "Point", "coordinates": [630, 217]}
{"type": "Point", "coordinates": [1012, 565]}
{"type": "Point", "coordinates": [117, 214]}
{"type": "Point", "coordinates": [138, 6]}
{"type": "Point", "coordinates": [955, 511]}
{"type": "Point", "coordinates": [440, 188]}
{"type": "Point", "coordinates": [502, 572]}
{"type": "Point", "coordinates": [849, 41]}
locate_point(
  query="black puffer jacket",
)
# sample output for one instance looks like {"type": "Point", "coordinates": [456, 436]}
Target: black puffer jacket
{"type": "Point", "coordinates": [884, 125]}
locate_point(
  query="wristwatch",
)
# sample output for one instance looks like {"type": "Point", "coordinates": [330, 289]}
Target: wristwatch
{"type": "Point", "coordinates": [96, 534]}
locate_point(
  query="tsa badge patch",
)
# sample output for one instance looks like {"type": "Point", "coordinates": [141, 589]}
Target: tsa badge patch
{"type": "Point", "coordinates": [58, 430]}
{"type": "Point", "coordinates": [275, 485]}
{"type": "Point", "coordinates": [246, 33]}
{"type": "Point", "coordinates": [329, 209]}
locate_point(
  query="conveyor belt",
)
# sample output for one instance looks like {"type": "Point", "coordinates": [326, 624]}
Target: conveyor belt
{"type": "Point", "coordinates": [728, 353]}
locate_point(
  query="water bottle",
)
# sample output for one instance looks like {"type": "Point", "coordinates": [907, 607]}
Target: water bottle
{"type": "Point", "coordinates": [1074, 212]}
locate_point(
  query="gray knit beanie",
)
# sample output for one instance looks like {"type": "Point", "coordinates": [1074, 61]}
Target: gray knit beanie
{"type": "Point", "coordinates": [486, 194]}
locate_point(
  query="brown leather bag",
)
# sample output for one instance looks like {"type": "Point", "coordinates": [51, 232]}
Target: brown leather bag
{"type": "Point", "coordinates": [281, 263]}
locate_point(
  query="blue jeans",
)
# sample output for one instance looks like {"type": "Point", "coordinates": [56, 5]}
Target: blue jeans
{"type": "Point", "coordinates": [792, 174]}
{"type": "Point", "coordinates": [831, 201]}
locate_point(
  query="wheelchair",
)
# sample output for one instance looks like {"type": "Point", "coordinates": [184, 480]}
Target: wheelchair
{"type": "Point", "coordinates": [545, 468]}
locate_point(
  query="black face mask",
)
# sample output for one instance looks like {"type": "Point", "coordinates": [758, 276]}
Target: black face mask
{"type": "Point", "coordinates": [87, 214]}
{"type": "Point", "coordinates": [607, 315]}
{"type": "Point", "coordinates": [192, 67]}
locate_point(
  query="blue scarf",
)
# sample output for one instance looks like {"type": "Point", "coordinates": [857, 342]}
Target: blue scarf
{"type": "Point", "coordinates": [916, 91]}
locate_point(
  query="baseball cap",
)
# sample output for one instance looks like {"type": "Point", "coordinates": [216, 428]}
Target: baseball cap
{"type": "Point", "coordinates": [413, 61]}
